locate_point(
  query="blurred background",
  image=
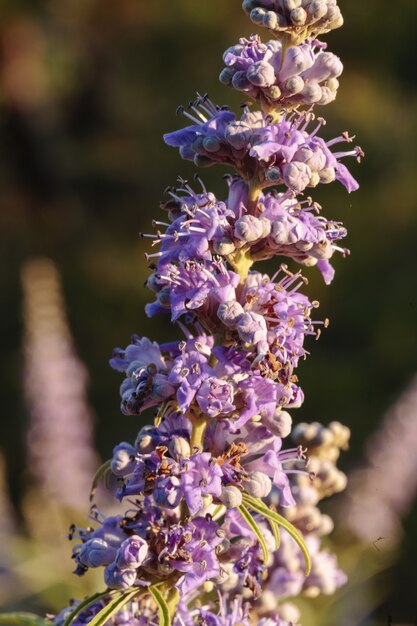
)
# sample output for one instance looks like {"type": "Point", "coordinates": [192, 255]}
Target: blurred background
{"type": "Point", "coordinates": [87, 87]}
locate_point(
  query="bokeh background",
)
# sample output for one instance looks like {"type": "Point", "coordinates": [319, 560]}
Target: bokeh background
{"type": "Point", "coordinates": [87, 87]}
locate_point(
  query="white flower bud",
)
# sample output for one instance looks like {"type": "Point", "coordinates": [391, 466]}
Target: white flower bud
{"type": "Point", "coordinates": [294, 85]}
{"type": "Point", "coordinates": [291, 4]}
{"type": "Point", "coordinates": [179, 448]}
{"type": "Point", "coordinates": [327, 175]}
{"type": "Point", "coordinates": [229, 313]}
{"type": "Point", "coordinates": [298, 16]}
{"type": "Point", "coordinates": [224, 247]}
{"type": "Point", "coordinates": [144, 442]}
{"type": "Point", "coordinates": [258, 485]}
{"type": "Point", "coordinates": [270, 20]}
{"type": "Point", "coordinates": [231, 497]}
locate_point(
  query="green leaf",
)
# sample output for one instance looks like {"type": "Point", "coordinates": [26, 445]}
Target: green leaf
{"type": "Point", "coordinates": [21, 619]}
{"type": "Point", "coordinates": [260, 507]}
{"type": "Point", "coordinates": [164, 613]}
{"type": "Point", "coordinates": [276, 533]}
{"type": "Point", "coordinates": [101, 474]}
{"type": "Point", "coordinates": [113, 607]}
{"type": "Point", "coordinates": [255, 529]}
{"type": "Point", "coordinates": [85, 604]}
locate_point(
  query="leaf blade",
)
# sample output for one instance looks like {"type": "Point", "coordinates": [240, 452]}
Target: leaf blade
{"type": "Point", "coordinates": [164, 613]}
{"type": "Point", "coordinates": [255, 529]}
{"type": "Point", "coordinates": [112, 607]}
{"type": "Point", "coordinates": [260, 507]}
{"type": "Point", "coordinates": [85, 604]}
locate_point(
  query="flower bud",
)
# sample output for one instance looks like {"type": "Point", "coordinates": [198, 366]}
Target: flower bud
{"type": "Point", "coordinates": [294, 85]}
{"type": "Point", "coordinates": [279, 424]}
{"type": "Point", "coordinates": [270, 20]}
{"type": "Point", "coordinates": [226, 75]}
{"type": "Point", "coordinates": [179, 448]}
{"type": "Point", "coordinates": [273, 92]}
{"type": "Point", "coordinates": [231, 497]}
{"type": "Point", "coordinates": [273, 174]}
{"type": "Point", "coordinates": [224, 247]}
{"type": "Point", "coordinates": [211, 144]}
{"type": "Point", "coordinates": [241, 82]}
{"type": "Point", "coordinates": [257, 15]}
{"type": "Point", "coordinates": [122, 463]}
{"type": "Point", "coordinates": [261, 74]}
{"type": "Point", "coordinates": [289, 5]}
{"type": "Point", "coordinates": [144, 442]}
{"type": "Point", "coordinates": [258, 485]}
{"type": "Point", "coordinates": [229, 313]}
{"type": "Point", "coordinates": [298, 16]}
{"type": "Point", "coordinates": [96, 552]}
{"type": "Point", "coordinates": [116, 578]}
{"type": "Point", "coordinates": [327, 175]}
{"type": "Point", "coordinates": [296, 175]}
{"type": "Point", "coordinates": [249, 228]}
{"type": "Point", "coordinates": [252, 328]}
{"type": "Point", "coordinates": [238, 135]}
{"type": "Point", "coordinates": [132, 553]}
{"type": "Point", "coordinates": [311, 93]}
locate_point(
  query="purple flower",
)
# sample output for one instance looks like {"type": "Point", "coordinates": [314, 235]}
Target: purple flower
{"type": "Point", "coordinates": [146, 382]}
{"type": "Point", "coordinates": [196, 284]}
{"type": "Point", "coordinates": [201, 477]}
{"type": "Point", "coordinates": [285, 151]}
{"type": "Point", "coordinates": [194, 553]}
{"type": "Point", "coordinates": [215, 397]}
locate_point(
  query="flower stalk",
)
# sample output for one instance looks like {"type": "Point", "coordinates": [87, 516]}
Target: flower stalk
{"type": "Point", "coordinates": [214, 498]}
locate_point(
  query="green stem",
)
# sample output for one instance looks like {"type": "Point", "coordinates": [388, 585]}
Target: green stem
{"type": "Point", "coordinates": [199, 423]}
{"type": "Point", "coordinates": [253, 197]}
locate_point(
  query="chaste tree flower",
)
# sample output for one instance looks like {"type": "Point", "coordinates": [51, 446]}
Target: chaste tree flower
{"type": "Point", "coordinates": [220, 520]}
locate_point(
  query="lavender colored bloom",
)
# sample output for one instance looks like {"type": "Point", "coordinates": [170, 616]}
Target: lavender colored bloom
{"type": "Point", "coordinates": [190, 550]}
{"type": "Point", "coordinates": [146, 382]}
{"type": "Point", "coordinates": [197, 284]}
{"type": "Point", "coordinates": [215, 397]}
{"type": "Point", "coordinates": [285, 151]}
{"type": "Point", "coordinates": [307, 75]}
{"type": "Point", "coordinates": [201, 477]}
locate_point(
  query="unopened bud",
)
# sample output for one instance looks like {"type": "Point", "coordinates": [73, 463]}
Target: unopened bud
{"type": "Point", "coordinates": [229, 313]}
{"type": "Point", "coordinates": [298, 16]}
{"type": "Point", "coordinates": [179, 448]}
{"type": "Point", "coordinates": [258, 485]}
{"type": "Point", "coordinates": [279, 424]}
{"type": "Point", "coordinates": [231, 497]}
{"type": "Point", "coordinates": [224, 247]}
{"type": "Point", "coordinates": [249, 228]}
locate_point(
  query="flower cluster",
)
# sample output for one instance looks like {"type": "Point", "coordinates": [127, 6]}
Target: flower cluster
{"type": "Point", "coordinates": [212, 498]}
{"type": "Point", "coordinates": [284, 152]}
{"type": "Point", "coordinates": [303, 75]}
{"type": "Point", "coordinates": [294, 20]}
